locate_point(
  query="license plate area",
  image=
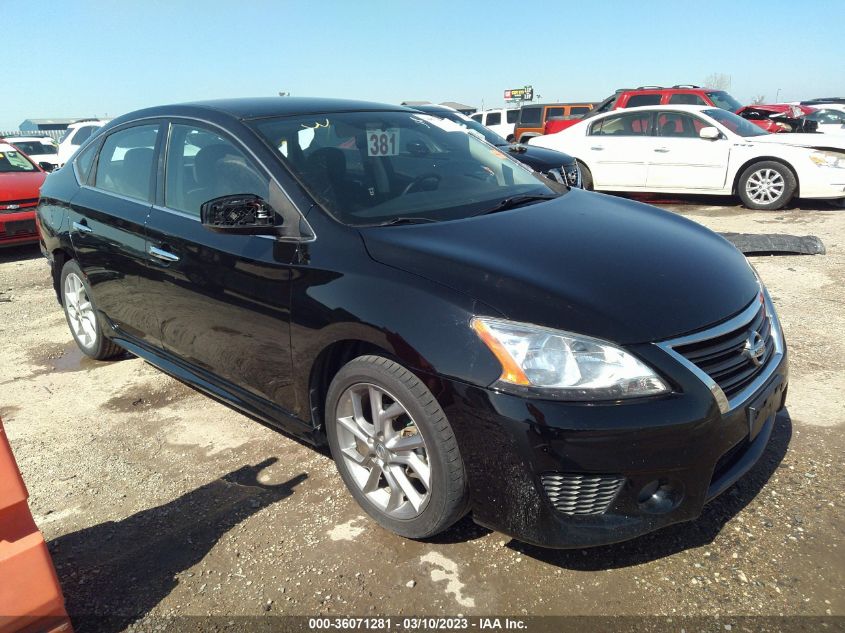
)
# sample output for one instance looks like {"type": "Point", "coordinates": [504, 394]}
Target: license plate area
{"type": "Point", "coordinates": [20, 227]}
{"type": "Point", "coordinates": [763, 407]}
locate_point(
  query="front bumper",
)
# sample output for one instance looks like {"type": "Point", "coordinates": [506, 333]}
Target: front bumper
{"type": "Point", "coordinates": [680, 443]}
{"type": "Point", "coordinates": [18, 227]}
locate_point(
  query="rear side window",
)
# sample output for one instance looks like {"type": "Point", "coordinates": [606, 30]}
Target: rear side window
{"type": "Point", "coordinates": [202, 165]}
{"type": "Point", "coordinates": [531, 116]}
{"type": "Point", "coordinates": [687, 99]}
{"type": "Point", "coordinates": [579, 110]}
{"type": "Point", "coordinates": [513, 115]}
{"type": "Point", "coordinates": [125, 165]}
{"type": "Point", "coordinates": [82, 135]}
{"type": "Point", "coordinates": [494, 118]}
{"type": "Point", "coordinates": [553, 113]}
{"type": "Point", "coordinates": [643, 100]}
{"type": "Point", "coordinates": [633, 124]}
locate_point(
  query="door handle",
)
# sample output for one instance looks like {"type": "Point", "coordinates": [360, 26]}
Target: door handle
{"type": "Point", "coordinates": [165, 256]}
{"type": "Point", "coordinates": [662, 150]}
{"type": "Point", "coordinates": [82, 227]}
{"type": "Point", "coordinates": [598, 148]}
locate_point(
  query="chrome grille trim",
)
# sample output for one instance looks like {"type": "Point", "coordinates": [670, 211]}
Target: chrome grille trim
{"type": "Point", "coordinates": [744, 318]}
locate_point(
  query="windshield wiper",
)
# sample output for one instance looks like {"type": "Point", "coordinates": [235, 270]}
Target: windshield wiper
{"type": "Point", "coordinates": [515, 201]}
{"type": "Point", "coordinates": [397, 221]}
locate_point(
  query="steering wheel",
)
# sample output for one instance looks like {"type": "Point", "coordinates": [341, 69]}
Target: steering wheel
{"type": "Point", "coordinates": [419, 180]}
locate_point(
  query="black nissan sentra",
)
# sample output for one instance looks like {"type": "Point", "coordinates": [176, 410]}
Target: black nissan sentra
{"type": "Point", "coordinates": [467, 335]}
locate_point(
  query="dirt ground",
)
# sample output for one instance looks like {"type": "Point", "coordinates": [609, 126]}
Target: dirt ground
{"type": "Point", "coordinates": [157, 501]}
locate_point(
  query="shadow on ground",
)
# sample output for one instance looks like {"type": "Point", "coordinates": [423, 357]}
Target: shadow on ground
{"type": "Point", "coordinates": [116, 572]}
{"type": "Point", "coordinates": [682, 536]}
{"type": "Point", "coordinates": [19, 253]}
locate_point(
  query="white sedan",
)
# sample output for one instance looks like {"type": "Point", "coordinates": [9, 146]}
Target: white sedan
{"type": "Point", "coordinates": [703, 150]}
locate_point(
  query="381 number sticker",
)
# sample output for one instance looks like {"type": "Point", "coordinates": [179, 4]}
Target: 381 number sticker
{"type": "Point", "coordinates": [383, 142]}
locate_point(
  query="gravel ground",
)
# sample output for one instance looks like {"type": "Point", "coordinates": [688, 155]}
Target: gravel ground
{"type": "Point", "coordinates": [157, 501]}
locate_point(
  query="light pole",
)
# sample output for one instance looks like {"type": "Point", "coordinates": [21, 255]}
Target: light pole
{"type": "Point", "coordinates": [777, 94]}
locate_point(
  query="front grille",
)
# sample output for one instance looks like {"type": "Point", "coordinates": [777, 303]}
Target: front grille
{"type": "Point", "coordinates": [581, 494]}
{"type": "Point", "coordinates": [566, 175]}
{"type": "Point", "coordinates": [19, 204]}
{"type": "Point", "coordinates": [726, 358]}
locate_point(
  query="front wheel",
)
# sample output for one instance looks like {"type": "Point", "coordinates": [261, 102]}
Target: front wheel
{"type": "Point", "coordinates": [767, 186]}
{"type": "Point", "coordinates": [82, 317]}
{"type": "Point", "coordinates": [394, 448]}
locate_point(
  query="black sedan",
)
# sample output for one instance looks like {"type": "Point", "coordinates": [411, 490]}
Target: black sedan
{"type": "Point", "coordinates": [572, 368]}
{"type": "Point", "coordinates": [551, 163]}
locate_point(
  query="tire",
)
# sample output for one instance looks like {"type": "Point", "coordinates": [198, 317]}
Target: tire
{"type": "Point", "coordinates": [766, 186]}
{"type": "Point", "coordinates": [586, 176]}
{"type": "Point", "coordinates": [390, 483]}
{"type": "Point", "coordinates": [84, 321]}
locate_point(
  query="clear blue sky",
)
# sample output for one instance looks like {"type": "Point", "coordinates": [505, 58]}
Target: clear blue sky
{"type": "Point", "coordinates": [84, 58]}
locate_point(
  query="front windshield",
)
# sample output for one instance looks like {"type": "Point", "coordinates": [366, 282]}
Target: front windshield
{"type": "Point", "coordinates": [34, 148]}
{"type": "Point", "coordinates": [11, 161]}
{"type": "Point", "coordinates": [722, 99]}
{"type": "Point", "coordinates": [489, 135]}
{"type": "Point", "coordinates": [369, 168]}
{"type": "Point", "coordinates": [734, 123]}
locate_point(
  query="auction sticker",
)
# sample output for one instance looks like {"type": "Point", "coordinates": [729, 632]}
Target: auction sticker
{"type": "Point", "coordinates": [383, 142]}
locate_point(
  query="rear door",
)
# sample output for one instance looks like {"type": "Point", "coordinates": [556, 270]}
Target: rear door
{"type": "Point", "coordinates": [107, 218]}
{"type": "Point", "coordinates": [617, 149]}
{"type": "Point", "coordinates": [680, 159]}
{"type": "Point", "coordinates": [223, 299]}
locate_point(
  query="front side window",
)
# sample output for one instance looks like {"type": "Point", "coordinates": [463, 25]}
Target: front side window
{"type": "Point", "coordinates": [678, 124]}
{"type": "Point", "coordinates": [125, 164]}
{"type": "Point", "coordinates": [371, 168]}
{"type": "Point", "coordinates": [477, 117]}
{"type": "Point", "coordinates": [734, 123]}
{"type": "Point", "coordinates": [203, 165]}
{"type": "Point", "coordinates": [643, 100]}
{"type": "Point", "coordinates": [687, 99]}
{"type": "Point", "coordinates": [630, 124]}
{"type": "Point", "coordinates": [494, 118]}
{"type": "Point", "coordinates": [12, 160]}
{"type": "Point", "coordinates": [722, 99]}
{"type": "Point", "coordinates": [82, 135]}
{"type": "Point", "coordinates": [531, 116]}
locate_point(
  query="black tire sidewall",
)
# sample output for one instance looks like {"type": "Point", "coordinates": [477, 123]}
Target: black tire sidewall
{"type": "Point", "coordinates": [586, 176]}
{"type": "Point", "coordinates": [785, 172]}
{"type": "Point", "coordinates": [434, 517]}
{"type": "Point", "coordinates": [100, 347]}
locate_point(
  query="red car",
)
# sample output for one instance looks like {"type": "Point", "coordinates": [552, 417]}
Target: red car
{"type": "Point", "coordinates": [20, 181]}
{"type": "Point", "coordinates": [778, 117]}
{"type": "Point", "coordinates": [682, 94]}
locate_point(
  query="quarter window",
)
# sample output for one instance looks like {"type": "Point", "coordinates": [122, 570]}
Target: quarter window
{"type": "Point", "coordinates": [202, 165]}
{"type": "Point", "coordinates": [494, 118]}
{"type": "Point", "coordinates": [631, 124]}
{"type": "Point", "coordinates": [84, 162]}
{"type": "Point", "coordinates": [125, 165]}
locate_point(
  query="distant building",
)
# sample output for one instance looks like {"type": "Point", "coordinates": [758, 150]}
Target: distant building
{"type": "Point", "coordinates": [45, 125]}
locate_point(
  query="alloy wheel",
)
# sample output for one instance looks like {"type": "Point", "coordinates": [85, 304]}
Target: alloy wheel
{"type": "Point", "coordinates": [383, 450]}
{"type": "Point", "coordinates": [83, 320]}
{"type": "Point", "coordinates": [765, 186]}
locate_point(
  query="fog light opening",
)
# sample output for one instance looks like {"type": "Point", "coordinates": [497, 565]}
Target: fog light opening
{"type": "Point", "coordinates": [660, 496]}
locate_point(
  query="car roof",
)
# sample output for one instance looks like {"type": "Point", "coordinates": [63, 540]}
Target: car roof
{"type": "Point", "coordinates": [668, 106]}
{"type": "Point", "coordinates": [260, 107]}
{"type": "Point", "coordinates": [12, 139]}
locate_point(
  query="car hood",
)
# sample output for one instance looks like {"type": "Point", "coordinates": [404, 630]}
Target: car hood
{"type": "Point", "coordinates": [538, 158]}
{"type": "Point", "coordinates": [20, 185]}
{"type": "Point", "coordinates": [816, 141]}
{"type": "Point", "coordinates": [585, 262]}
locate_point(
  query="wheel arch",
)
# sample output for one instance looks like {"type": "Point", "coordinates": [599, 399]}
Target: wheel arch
{"type": "Point", "coordinates": [60, 256]}
{"type": "Point", "coordinates": [763, 159]}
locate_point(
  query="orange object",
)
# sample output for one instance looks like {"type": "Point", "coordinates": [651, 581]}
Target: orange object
{"type": "Point", "coordinates": [30, 596]}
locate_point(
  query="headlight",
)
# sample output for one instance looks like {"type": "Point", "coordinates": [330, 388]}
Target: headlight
{"type": "Point", "coordinates": [554, 364]}
{"type": "Point", "coordinates": [828, 159]}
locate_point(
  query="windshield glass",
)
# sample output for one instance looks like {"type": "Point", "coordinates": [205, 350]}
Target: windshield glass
{"type": "Point", "coordinates": [722, 99]}
{"type": "Point", "coordinates": [370, 168]}
{"type": "Point", "coordinates": [34, 148]}
{"type": "Point", "coordinates": [735, 124]}
{"type": "Point", "coordinates": [461, 119]}
{"type": "Point", "coordinates": [14, 161]}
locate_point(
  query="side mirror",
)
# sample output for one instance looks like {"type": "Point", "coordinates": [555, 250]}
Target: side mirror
{"type": "Point", "coordinates": [243, 213]}
{"type": "Point", "coordinates": [48, 167]}
{"type": "Point", "coordinates": [709, 133]}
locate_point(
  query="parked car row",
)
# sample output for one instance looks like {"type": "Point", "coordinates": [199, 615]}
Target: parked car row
{"type": "Point", "coordinates": [20, 181]}
{"type": "Point", "coordinates": [702, 149]}
{"type": "Point", "coordinates": [464, 333]}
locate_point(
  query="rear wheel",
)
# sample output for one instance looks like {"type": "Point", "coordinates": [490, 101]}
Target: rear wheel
{"type": "Point", "coordinates": [394, 448]}
{"type": "Point", "coordinates": [766, 185]}
{"type": "Point", "coordinates": [586, 176]}
{"type": "Point", "coordinates": [82, 317]}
